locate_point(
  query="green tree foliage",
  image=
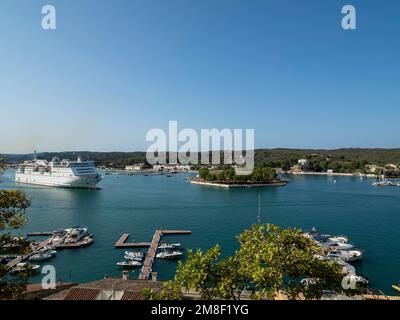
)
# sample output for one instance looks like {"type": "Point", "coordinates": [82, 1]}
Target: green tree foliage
{"type": "Point", "coordinates": [169, 291]}
{"type": "Point", "coordinates": [279, 157]}
{"type": "Point", "coordinates": [270, 260]}
{"type": "Point", "coordinates": [278, 258]}
{"type": "Point", "coordinates": [204, 173]}
{"type": "Point", "coordinates": [228, 175]}
{"type": "Point", "coordinates": [13, 204]}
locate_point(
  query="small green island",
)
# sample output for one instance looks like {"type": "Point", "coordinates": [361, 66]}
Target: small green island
{"type": "Point", "coordinates": [227, 178]}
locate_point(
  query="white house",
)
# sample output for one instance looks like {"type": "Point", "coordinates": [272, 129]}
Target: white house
{"type": "Point", "coordinates": [171, 167]}
{"type": "Point", "coordinates": [303, 162]}
{"type": "Point", "coordinates": [391, 166]}
{"type": "Point", "coordinates": [135, 167]}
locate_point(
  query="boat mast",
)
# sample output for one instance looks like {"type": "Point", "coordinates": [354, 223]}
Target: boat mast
{"type": "Point", "coordinates": [259, 209]}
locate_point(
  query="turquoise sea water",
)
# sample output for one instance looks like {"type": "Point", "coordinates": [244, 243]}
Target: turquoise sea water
{"type": "Point", "coordinates": [369, 216]}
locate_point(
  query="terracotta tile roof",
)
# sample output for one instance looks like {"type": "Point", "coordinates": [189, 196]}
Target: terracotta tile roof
{"type": "Point", "coordinates": [122, 285]}
{"type": "Point", "coordinates": [131, 295]}
{"type": "Point", "coordinates": [107, 284]}
{"type": "Point", "coordinates": [82, 294]}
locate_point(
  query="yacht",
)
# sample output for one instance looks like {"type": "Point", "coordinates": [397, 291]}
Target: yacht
{"type": "Point", "coordinates": [58, 237]}
{"type": "Point", "coordinates": [40, 256]}
{"type": "Point", "coordinates": [384, 183]}
{"type": "Point", "coordinates": [88, 240]}
{"type": "Point", "coordinates": [131, 255]}
{"type": "Point", "coordinates": [347, 256]}
{"type": "Point", "coordinates": [133, 258]}
{"type": "Point", "coordinates": [130, 263]}
{"type": "Point", "coordinates": [24, 267]}
{"type": "Point", "coordinates": [74, 235]}
{"type": "Point", "coordinates": [396, 286]}
{"type": "Point", "coordinates": [165, 246]}
{"type": "Point", "coordinates": [320, 237]}
{"type": "Point", "coordinates": [169, 255]}
{"type": "Point", "coordinates": [336, 245]}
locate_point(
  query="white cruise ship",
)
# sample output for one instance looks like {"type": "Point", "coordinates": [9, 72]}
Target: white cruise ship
{"type": "Point", "coordinates": [56, 173]}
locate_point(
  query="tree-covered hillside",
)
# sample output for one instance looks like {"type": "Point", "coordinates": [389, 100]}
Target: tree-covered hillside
{"type": "Point", "coordinates": [280, 157]}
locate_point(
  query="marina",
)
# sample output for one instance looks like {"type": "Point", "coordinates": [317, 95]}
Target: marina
{"type": "Point", "coordinates": [151, 253]}
{"type": "Point", "coordinates": [133, 258]}
{"type": "Point", "coordinates": [46, 249]}
{"type": "Point", "coordinates": [337, 248]}
{"type": "Point", "coordinates": [139, 204]}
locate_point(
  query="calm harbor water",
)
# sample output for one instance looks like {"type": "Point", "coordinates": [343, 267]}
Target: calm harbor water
{"type": "Point", "coordinates": [369, 216]}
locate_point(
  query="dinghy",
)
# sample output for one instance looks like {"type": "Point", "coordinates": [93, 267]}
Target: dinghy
{"type": "Point", "coordinates": [129, 264]}
{"type": "Point", "coordinates": [169, 255]}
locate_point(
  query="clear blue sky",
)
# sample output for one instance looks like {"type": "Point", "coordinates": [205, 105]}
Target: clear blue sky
{"type": "Point", "coordinates": [114, 69]}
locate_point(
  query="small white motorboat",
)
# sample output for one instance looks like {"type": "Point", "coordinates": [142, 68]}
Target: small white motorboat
{"type": "Point", "coordinates": [165, 246]}
{"type": "Point", "coordinates": [131, 258]}
{"type": "Point", "coordinates": [341, 239]}
{"type": "Point", "coordinates": [346, 267]}
{"type": "Point", "coordinates": [309, 281]}
{"type": "Point", "coordinates": [135, 254]}
{"type": "Point", "coordinates": [320, 237]}
{"type": "Point", "coordinates": [357, 279]}
{"type": "Point", "coordinates": [169, 254]}
{"type": "Point", "coordinates": [40, 256]}
{"type": "Point", "coordinates": [347, 256]}
{"type": "Point", "coordinates": [47, 249]}
{"type": "Point", "coordinates": [58, 237]}
{"type": "Point", "coordinates": [384, 183]}
{"type": "Point", "coordinates": [24, 267]}
{"type": "Point", "coordinates": [74, 235]}
{"type": "Point", "coordinates": [129, 264]}
{"type": "Point", "coordinates": [87, 241]}
{"type": "Point", "coordinates": [336, 245]}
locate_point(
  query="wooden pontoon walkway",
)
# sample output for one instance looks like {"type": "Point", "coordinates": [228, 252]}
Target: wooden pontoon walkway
{"type": "Point", "coordinates": [22, 258]}
{"type": "Point", "coordinates": [151, 253]}
{"type": "Point", "coordinates": [41, 245]}
{"type": "Point", "coordinates": [122, 244]}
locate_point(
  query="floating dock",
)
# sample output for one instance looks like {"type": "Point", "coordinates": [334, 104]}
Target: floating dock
{"type": "Point", "coordinates": [74, 245]}
{"type": "Point", "coordinates": [122, 244]}
{"type": "Point", "coordinates": [43, 244]}
{"type": "Point", "coordinates": [22, 258]}
{"type": "Point", "coordinates": [151, 253]}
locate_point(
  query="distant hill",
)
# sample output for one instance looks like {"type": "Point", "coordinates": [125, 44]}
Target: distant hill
{"type": "Point", "coordinates": [262, 156]}
{"type": "Point", "coordinates": [373, 155]}
{"type": "Point", "coordinates": [116, 159]}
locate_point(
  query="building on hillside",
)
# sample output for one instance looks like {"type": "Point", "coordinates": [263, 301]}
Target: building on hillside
{"type": "Point", "coordinates": [296, 168]}
{"type": "Point", "coordinates": [135, 167]}
{"type": "Point", "coordinates": [171, 167]}
{"type": "Point", "coordinates": [391, 166]}
{"type": "Point", "coordinates": [371, 168]}
{"type": "Point", "coordinates": [303, 162]}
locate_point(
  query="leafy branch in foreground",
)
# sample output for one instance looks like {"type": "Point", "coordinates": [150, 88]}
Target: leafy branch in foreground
{"type": "Point", "coordinates": [13, 204]}
{"type": "Point", "coordinates": [270, 261]}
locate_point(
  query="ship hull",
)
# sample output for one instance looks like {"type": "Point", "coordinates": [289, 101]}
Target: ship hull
{"type": "Point", "coordinates": [82, 182]}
